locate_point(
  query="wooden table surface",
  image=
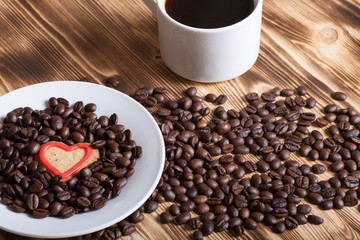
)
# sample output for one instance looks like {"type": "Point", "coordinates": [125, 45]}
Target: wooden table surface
{"type": "Point", "coordinates": [311, 43]}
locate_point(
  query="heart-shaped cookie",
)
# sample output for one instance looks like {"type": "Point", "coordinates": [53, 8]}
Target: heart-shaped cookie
{"type": "Point", "coordinates": [64, 160]}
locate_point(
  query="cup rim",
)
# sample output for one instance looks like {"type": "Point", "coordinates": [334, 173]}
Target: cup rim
{"type": "Point", "coordinates": [161, 7]}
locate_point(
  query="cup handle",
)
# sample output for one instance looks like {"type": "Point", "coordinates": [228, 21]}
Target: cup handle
{"type": "Point", "coordinates": [151, 4]}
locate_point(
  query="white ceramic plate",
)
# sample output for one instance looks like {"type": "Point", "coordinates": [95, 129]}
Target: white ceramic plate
{"type": "Point", "coordinates": [148, 169]}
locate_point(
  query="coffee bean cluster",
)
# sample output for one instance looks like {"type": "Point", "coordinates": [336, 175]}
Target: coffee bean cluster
{"type": "Point", "coordinates": [27, 186]}
{"type": "Point", "coordinates": [213, 184]}
{"type": "Point", "coordinates": [206, 165]}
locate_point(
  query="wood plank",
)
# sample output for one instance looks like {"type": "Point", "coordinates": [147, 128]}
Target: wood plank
{"type": "Point", "coordinates": [311, 43]}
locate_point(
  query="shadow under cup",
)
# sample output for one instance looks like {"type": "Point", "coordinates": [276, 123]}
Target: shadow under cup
{"type": "Point", "coordinates": [209, 55]}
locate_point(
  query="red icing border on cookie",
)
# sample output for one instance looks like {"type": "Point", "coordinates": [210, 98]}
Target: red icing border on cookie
{"type": "Point", "coordinates": [75, 168]}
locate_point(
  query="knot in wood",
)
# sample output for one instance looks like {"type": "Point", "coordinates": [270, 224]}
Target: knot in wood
{"type": "Point", "coordinates": [328, 35]}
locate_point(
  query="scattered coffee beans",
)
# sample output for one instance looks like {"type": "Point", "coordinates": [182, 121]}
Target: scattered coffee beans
{"type": "Point", "coordinates": [206, 161]}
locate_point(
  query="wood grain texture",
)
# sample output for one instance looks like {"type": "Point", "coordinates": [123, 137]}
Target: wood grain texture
{"type": "Point", "coordinates": [311, 43]}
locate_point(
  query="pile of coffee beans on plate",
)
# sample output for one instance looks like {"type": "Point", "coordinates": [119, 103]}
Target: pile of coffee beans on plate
{"type": "Point", "coordinates": [27, 186]}
{"type": "Point", "coordinates": [231, 170]}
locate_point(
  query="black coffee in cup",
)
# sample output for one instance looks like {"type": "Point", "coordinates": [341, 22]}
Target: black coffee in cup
{"type": "Point", "coordinates": [209, 13]}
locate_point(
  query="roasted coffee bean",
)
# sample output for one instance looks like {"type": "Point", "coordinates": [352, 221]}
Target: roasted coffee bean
{"type": "Point", "coordinates": [165, 218]}
{"type": "Point", "coordinates": [55, 208]}
{"type": "Point", "coordinates": [327, 204]}
{"type": "Point", "coordinates": [63, 195]}
{"type": "Point", "coordinates": [16, 207]}
{"type": "Point", "coordinates": [198, 235]}
{"type": "Point", "coordinates": [339, 96]}
{"type": "Point", "coordinates": [210, 97]}
{"type": "Point", "coordinates": [32, 202]}
{"type": "Point", "coordinates": [187, 206]}
{"type": "Point", "coordinates": [328, 192]}
{"type": "Point", "coordinates": [207, 228]}
{"type": "Point", "coordinates": [318, 168]}
{"type": "Point", "coordinates": [251, 96]}
{"type": "Point", "coordinates": [128, 229]}
{"type": "Point", "coordinates": [350, 200]}
{"type": "Point", "coordinates": [291, 223]}
{"type": "Point", "coordinates": [301, 90]}
{"type": "Point", "coordinates": [268, 97]}
{"type": "Point", "coordinates": [304, 209]}
{"type": "Point", "coordinates": [83, 201]}
{"type": "Point", "coordinates": [270, 220]}
{"type": "Point", "coordinates": [40, 213]}
{"type": "Point", "coordinates": [195, 223]}
{"type": "Point", "coordinates": [350, 181]}
{"type": "Point", "coordinates": [315, 198]}
{"type": "Point", "coordinates": [221, 99]}
{"type": "Point", "coordinates": [250, 166]}
{"type": "Point", "coordinates": [300, 218]}
{"type": "Point", "coordinates": [250, 224]}
{"type": "Point", "coordinates": [280, 212]}
{"type": "Point", "coordinates": [302, 182]}
{"type": "Point", "coordinates": [67, 212]}
{"type": "Point", "coordinates": [315, 219]}
{"type": "Point", "coordinates": [174, 210]}
{"type": "Point", "coordinates": [191, 91]}
{"type": "Point", "coordinates": [150, 206]}
{"type": "Point", "coordinates": [182, 218]}
{"type": "Point", "coordinates": [279, 227]}
{"type": "Point", "coordinates": [99, 203]}
{"type": "Point", "coordinates": [287, 92]}
{"type": "Point", "coordinates": [338, 202]}
{"type": "Point", "coordinates": [112, 81]}
{"type": "Point", "coordinates": [310, 102]}
{"type": "Point", "coordinates": [337, 166]}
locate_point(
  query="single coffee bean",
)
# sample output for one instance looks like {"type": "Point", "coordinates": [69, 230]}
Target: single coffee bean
{"type": "Point", "coordinates": [128, 229]}
{"type": "Point", "coordinates": [315, 219]}
{"type": "Point", "coordinates": [301, 90]}
{"type": "Point", "coordinates": [350, 181]}
{"type": "Point", "coordinates": [182, 218]}
{"type": "Point", "coordinates": [150, 206]}
{"type": "Point", "coordinates": [250, 224]}
{"type": "Point", "coordinates": [198, 235]}
{"type": "Point", "coordinates": [339, 96]}
{"type": "Point", "coordinates": [350, 200]}
{"type": "Point", "coordinates": [195, 223]}
{"type": "Point", "coordinates": [291, 223]}
{"type": "Point", "coordinates": [315, 198]}
{"type": "Point", "coordinates": [287, 92]}
{"type": "Point", "coordinates": [165, 218]}
{"type": "Point", "coordinates": [327, 204]}
{"type": "Point", "coordinates": [191, 91]}
{"type": "Point", "coordinates": [318, 168]}
{"type": "Point", "coordinates": [251, 96]}
{"type": "Point", "coordinates": [279, 227]}
{"type": "Point", "coordinates": [221, 99]}
{"type": "Point", "coordinates": [99, 203]}
{"type": "Point", "coordinates": [338, 202]}
{"type": "Point", "coordinates": [207, 228]}
{"type": "Point", "coordinates": [210, 97]}
{"type": "Point", "coordinates": [32, 202]}
{"type": "Point", "coordinates": [300, 218]}
{"type": "Point", "coordinates": [268, 97]}
{"type": "Point", "coordinates": [67, 212]}
{"type": "Point", "coordinates": [40, 213]}
{"type": "Point", "coordinates": [63, 195]}
{"type": "Point", "coordinates": [270, 219]}
{"type": "Point", "coordinates": [304, 209]}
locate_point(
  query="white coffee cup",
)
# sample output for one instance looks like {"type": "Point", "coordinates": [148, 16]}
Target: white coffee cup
{"type": "Point", "coordinates": [208, 55]}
